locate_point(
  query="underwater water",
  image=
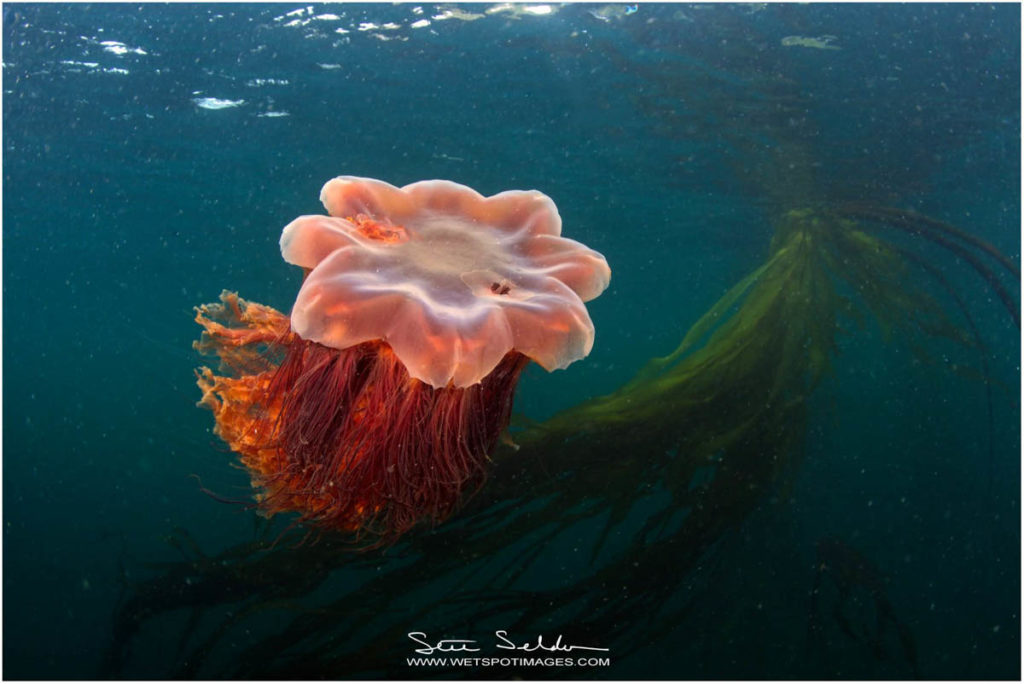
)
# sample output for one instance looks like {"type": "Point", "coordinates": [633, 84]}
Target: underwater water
{"type": "Point", "coordinates": [152, 154]}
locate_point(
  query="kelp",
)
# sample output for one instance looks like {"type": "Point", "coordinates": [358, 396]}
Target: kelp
{"type": "Point", "coordinates": [845, 582]}
{"type": "Point", "coordinates": [599, 523]}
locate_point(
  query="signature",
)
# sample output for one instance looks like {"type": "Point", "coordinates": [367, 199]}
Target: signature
{"type": "Point", "coordinates": [428, 647]}
{"type": "Point", "coordinates": [442, 646]}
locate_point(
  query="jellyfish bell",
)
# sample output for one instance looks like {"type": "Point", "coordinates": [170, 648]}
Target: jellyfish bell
{"type": "Point", "coordinates": [375, 405]}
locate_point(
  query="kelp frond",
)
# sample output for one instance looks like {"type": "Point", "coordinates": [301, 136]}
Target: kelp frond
{"type": "Point", "coordinates": [657, 472]}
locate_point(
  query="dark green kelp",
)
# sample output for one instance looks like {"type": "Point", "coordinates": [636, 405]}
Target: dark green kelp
{"type": "Point", "coordinates": [663, 467]}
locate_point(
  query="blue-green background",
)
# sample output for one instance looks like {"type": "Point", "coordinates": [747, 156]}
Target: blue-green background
{"type": "Point", "coordinates": [665, 134]}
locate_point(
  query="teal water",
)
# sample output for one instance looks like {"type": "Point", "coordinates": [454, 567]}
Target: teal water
{"type": "Point", "coordinates": [151, 155]}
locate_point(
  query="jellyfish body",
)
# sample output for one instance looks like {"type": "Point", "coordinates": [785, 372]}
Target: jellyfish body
{"type": "Point", "coordinates": [376, 404]}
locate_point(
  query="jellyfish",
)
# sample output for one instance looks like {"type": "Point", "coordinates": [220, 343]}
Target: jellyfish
{"type": "Point", "coordinates": [375, 405]}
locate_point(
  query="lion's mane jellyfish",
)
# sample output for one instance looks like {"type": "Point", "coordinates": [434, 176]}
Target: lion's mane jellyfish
{"type": "Point", "coordinates": [375, 406]}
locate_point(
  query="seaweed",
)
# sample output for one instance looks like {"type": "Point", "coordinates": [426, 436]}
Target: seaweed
{"type": "Point", "coordinates": [851, 590]}
{"type": "Point", "coordinates": [662, 469]}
